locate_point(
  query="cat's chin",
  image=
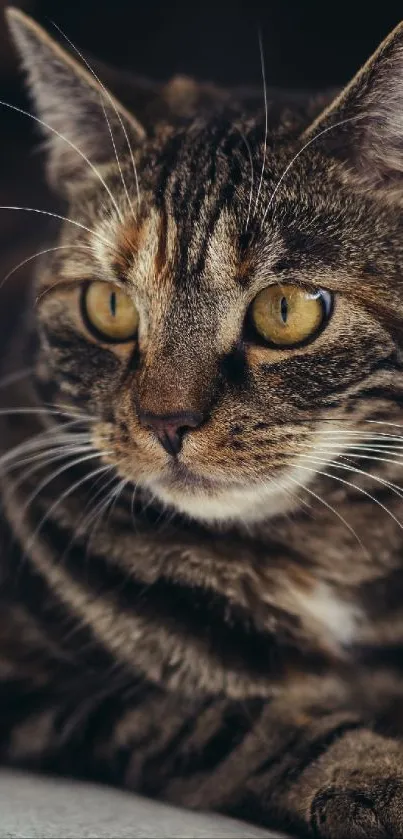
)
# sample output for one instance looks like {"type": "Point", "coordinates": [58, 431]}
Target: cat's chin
{"type": "Point", "coordinates": [207, 501]}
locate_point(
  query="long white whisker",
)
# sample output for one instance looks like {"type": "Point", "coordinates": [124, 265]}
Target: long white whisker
{"type": "Point", "coordinates": [359, 451]}
{"type": "Point", "coordinates": [55, 474]}
{"type": "Point", "coordinates": [42, 440]}
{"type": "Point", "coordinates": [41, 443]}
{"type": "Point", "coordinates": [47, 459]}
{"type": "Point", "coordinates": [363, 435]}
{"type": "Point", "coordinates": [117, 158]}
{"type": "Point", "coordinates": [35, 255]}
{"type": "Point", "coordinates": [368, 421]}
{"type": "Point", "coordinates": [394, 487]}
{"type": "Point", "coordinates": [353, 486]}
{"type": "Point", "coordinates": [69, 143]}
{"type": "Point", "coordinates": [133, 499]}
{"type": "Point", "coordinates": [5, 412]}
{"type": "Point", "coordinates": [281, 486]}
{"type": "Point", "coordinates": [332, 510]}
{"type": "Point", "coordinates": [49, 456]}
{"type": "Point", "coordinates": [252, 175]}
{"type": "Point", "coordinates": [117, 492]}
{"type": "Point", "coordinates": [266, 121]}
{"type": "Point", "coordinates": [296, 156]}
{"type": "Point", "coordinates": [84, 519]}
{"type": "Point", "coordinates": [61, 218]}
{"type": "Point", "coordinates": [87, 518]}
{"type": "Point", "coordinates": [382, 422]}
{"type": "Point", "coordinates": [62, 498]}
{"type": "Point", "coordinates": [69, 410]}
{"type": "Point", "coordinates": [106, 92]}
{"type": "Point", "coordinates": [16, 377]}
{"type": "Point", "coordinates": [99, 512]}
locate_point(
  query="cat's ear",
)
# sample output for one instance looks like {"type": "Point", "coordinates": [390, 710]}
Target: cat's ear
{"type": "Point", "coordinates": [72, 103]}
{"type": "Point", "coordinates": [364, 124]}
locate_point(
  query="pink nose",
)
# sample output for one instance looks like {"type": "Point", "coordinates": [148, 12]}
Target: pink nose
{"type": "Point", "coordinates": [171, 428]}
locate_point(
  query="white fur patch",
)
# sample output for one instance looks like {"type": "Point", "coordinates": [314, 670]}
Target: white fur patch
{"type": "Point", "coordinates": [252, 503]}
{"type": "Point", "coordinates": [339, 618]}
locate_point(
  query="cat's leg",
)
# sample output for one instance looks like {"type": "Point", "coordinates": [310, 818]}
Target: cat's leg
{"type": "Point", "coordinates": [337, 779]}
{"type": "Point", "coordinates": [303, 762]}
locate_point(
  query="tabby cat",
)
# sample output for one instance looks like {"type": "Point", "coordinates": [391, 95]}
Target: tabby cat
{"type": "Point", "coordinates": [201, 538]}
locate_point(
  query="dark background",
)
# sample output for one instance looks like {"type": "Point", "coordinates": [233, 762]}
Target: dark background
{"type": "Point", "coordinates": [306, 44]}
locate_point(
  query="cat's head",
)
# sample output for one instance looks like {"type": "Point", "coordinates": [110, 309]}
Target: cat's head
{"type": "Point", "coordinates": [224, 300]}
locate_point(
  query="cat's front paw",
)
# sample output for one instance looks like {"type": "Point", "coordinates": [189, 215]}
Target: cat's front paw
{"type": "Point", "coordinates": [365, 808]}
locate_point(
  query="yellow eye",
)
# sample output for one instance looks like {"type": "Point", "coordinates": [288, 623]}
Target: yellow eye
{"type": "Point", "coordinates": [109, 312]}
{"type": "Point", "coordinates": [289, 315]}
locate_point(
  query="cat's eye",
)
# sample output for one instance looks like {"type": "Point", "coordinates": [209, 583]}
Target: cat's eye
{"type": "Point", "coordinates": [290, 315]}
{"type": "Point", "coordinates": [109, 312]}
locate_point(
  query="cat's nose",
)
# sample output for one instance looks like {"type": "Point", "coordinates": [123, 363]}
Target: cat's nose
{"type": "Point", "coordinates": [171, 428]}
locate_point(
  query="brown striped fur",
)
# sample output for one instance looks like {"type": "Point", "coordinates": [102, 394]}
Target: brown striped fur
{"type": "Point", "coordinates": [222, 628]}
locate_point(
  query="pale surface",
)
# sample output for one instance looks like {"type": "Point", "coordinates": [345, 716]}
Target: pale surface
{"type": "Point", "coordinates": [32, 807]}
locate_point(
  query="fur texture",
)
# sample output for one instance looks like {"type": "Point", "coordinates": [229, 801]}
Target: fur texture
{"type": "Point", "coordinates": [220, 625]}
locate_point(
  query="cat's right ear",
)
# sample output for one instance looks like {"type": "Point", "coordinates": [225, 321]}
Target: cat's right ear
{"type": "Point", "coordinates": [363, 126]}
{"type": "Point", "coordinates": [72, 103]}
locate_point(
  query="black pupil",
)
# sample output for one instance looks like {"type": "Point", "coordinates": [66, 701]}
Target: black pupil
{"type": "Point", "coordinates": [112, 303]}
{"type": "Point", "coordinates": [284, 309]}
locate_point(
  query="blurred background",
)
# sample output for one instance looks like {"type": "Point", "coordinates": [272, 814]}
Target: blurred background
{"type": "Point", "coordinates": [307, 44]}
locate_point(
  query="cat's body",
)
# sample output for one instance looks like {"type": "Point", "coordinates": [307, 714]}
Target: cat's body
{"type": "Point", "coordinates": [225, 629]}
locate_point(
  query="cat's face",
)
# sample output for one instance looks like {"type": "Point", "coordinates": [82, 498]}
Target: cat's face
{"type": "Point", "coordinates": [223, 321]}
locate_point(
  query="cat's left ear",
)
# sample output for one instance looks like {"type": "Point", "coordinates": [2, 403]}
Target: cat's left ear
{"type": "Point", "coordinates": [364, 124]}
{"type": "Point", "coordinates": [73, 104]}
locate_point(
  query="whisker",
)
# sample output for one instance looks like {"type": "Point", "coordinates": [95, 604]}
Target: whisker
{"type": "Point", "coordinates": [69, 410]}
{"type": "Point", "coordinates": [332, 510]}
{"type": "Point", "coordinates": [106, 92]}
{"type": "Point", "coordinates": [35, 255]}
{"type": "Point", "coordinates": [117, 492]}
{"type": "Point", "coordinates": [117, 158]}
{"type": "Point", "coordinates": [41, 440]}
{"type": "Point", "coordinates": [5, 412]}
{"type": "Point", "coordinates": [66, 445]}
{"type": "Point", "coordinates": [84, 520]}
{"type": "Point", "coordinates": [352, 486]}
{"type": "Point", "coordinates": [11, 378]}
{"type": "Point", "coordinates": [59, 501]}
{"type": "Point", "coordinates": [363, 435]}
{"type": "Point", "coordinates": [296, 156]}
{"type": "Point", "coordinates": [133, 499]}
{"type": "Point", "coordinates": [266, 121]}
{"type": "Point", "coordinates": [394, 487]}
{"type": "Point", "coordinates": [99, 512]}
{"type": "Point", "coordinates": [47, 457]}
{"type": "Point", "coordinates": [55, 474]}
{"type": "Point", "coordinates": [281, 486]}
{"type": "Point", "coordinates": [69, 143]}
{"type": "Point", "coordinates": [252, 174]}
{"type": "Point", "coordinates": [383, 422]}
{"type": "Point", "coordinates": [355, 451]}
{"type": "Point", "coordinates": [46, 460]}
{"type": "Point", "coordinates": [368, 421]}
{"type": "Point", "coordinates": [62, 218]}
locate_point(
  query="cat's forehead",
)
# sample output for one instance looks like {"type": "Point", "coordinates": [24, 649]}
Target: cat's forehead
{"type": "Point", "coordinates": [193, 223]}
{"type": "Point", "coordinates": [223, 207]}
{"type": "Point", "coordinates": [192, 257]}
